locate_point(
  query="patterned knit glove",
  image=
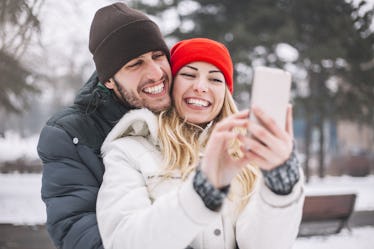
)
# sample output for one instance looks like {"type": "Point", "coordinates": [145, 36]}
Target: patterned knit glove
{"type": "Point", "coordinates": [282, 179]}
{"type": "Point", "coordinates": [212, 197]}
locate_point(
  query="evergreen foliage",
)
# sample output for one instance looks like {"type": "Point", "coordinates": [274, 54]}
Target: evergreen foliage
{"type": "Point", "coordinates": [334, 40]}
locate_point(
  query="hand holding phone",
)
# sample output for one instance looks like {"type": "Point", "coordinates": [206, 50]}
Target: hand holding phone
{"type": "Point", "coordinates": [271, 92]}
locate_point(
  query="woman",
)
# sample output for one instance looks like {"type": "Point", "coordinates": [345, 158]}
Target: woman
{"type": "Point", "coordinates": [158, 193]}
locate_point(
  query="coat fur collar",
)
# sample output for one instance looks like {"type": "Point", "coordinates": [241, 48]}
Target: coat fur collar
{"type": "Point", "coordinates": [139, 122]}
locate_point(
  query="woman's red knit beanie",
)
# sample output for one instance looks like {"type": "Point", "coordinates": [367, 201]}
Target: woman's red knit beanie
{"type": "Point", "coordinates": [206, 50]}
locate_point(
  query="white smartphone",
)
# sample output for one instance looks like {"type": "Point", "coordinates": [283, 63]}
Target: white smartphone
{"type": "Point", "coordinates": [271, 92]}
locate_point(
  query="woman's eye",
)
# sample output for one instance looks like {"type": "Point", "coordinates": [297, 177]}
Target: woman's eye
{"type": "Point", "coordinates": [217, 80]}
{"type": "Point", "coordinates": [188, 75]}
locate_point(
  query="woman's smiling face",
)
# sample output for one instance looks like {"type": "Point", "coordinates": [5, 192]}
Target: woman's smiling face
{"type": "Point", "coordinates": [199, 92]}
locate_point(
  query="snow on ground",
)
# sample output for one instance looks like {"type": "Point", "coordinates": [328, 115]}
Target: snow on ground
{"type": "Point", "coordinates": [363, 186]}
{"type": "Point", "coordinates": [20, 201]}
{"type": "Point", "coordinates": [20, 204]}
{"type": "Point", "coordinates": [358, 238]}
{"type": "Point", "coordinates": [13, 147]}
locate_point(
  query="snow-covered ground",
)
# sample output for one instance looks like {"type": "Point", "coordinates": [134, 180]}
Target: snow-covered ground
{"type": "Point", "coordinates": [20, 201]}
{"type": "Point", "coordinates": [20, 204]}
{"type": "Point", "coordinates": [13, 147]}
{"type": "Point", "coordinates": [358, 238]}
{"type": "Point", "coordinates": [362, 186]}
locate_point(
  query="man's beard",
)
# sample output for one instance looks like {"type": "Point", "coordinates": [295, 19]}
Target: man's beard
{"type": "Point", "coordinates": [129, 98]}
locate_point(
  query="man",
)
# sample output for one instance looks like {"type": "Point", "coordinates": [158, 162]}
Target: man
{"type": "Point", "coordinates": [133, 71]}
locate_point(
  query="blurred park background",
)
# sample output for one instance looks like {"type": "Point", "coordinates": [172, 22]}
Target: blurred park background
{"type": "Point", "coordinates": [328, 46]}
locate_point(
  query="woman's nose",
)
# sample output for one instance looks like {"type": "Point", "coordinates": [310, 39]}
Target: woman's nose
{"type": "Point", "coordinates": [200, 86]}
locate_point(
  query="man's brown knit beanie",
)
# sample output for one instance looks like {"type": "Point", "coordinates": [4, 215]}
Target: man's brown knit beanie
{"type": "Point", "coordinates": [119, 34]}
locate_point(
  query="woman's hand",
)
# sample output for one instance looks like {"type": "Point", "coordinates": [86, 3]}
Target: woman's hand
{"type": "Point", "coordinates": [218, 165]}
{"type": "Point", "coordinates": [269, 145]}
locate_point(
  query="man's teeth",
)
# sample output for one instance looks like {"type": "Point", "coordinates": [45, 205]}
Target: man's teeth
{"type": "Point", "coordinates": [154, 89]}
{"type": "Point", "coordinates": [198, 102]}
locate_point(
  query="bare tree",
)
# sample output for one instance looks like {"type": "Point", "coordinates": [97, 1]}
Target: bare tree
{"type": "Point", "coordinates": [19, 25]}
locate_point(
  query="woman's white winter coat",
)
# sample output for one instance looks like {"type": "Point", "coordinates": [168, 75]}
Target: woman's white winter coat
{"type": "Point", "coordinates": [136, 210]}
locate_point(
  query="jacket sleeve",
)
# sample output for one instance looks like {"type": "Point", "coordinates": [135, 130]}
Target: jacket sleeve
{"type": "Point", "coordinates": [269, 220]}
{"type": "Point", "coordinates": [69, 190]}
{"type": "Point", "coordinates": [128, 218]}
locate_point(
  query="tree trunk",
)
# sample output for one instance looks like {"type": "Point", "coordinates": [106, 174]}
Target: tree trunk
{"type": "Point", "coordinates": [321, 152]}
{"type": "Point", "coordinates": [307, 142]}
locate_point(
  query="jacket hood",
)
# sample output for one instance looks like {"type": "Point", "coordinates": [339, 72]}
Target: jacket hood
{"type": "Point", "coordinates": [85, 94]}
{"type": "Point", "coordinates": [140, 122]}
{"type": "Point", "coordinates": [95, 97]}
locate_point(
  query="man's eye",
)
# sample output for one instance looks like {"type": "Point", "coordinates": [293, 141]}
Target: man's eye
{"type": "Point", "coordinates": [158, 55]}
{"type": "Point", "coordinates": [136, 63]}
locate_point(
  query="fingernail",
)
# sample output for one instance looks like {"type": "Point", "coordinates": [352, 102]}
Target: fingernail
{"type": "Point", "coordinates": [258, 110]}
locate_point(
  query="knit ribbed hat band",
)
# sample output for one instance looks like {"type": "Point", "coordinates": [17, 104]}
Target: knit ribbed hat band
{"type": "Point", "coordinates": [206, 50]}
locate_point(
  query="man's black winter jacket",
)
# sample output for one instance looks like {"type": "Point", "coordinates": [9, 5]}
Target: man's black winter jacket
{"type": "Point", "coordinates": [69, 146]}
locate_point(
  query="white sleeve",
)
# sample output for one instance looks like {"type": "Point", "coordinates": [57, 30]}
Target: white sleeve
{"type": "Point", "coordinates": [269, 220]}
{"type": "Point", "coordinates": [127, 218]}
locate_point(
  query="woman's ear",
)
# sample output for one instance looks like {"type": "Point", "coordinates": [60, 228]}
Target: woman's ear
{"type": "Point", "coordinates": [109, 84]}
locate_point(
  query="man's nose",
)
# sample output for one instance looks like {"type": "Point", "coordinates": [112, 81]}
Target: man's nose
{"type": "Point", "coordinates": [155, 71]}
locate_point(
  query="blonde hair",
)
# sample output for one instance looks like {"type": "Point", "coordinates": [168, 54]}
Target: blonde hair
{"type": "Point", "coordinates": [181, 143]}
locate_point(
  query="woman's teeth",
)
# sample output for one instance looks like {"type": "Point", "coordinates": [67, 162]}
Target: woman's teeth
{"type": "Point", "coordinates": [198, 102]}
